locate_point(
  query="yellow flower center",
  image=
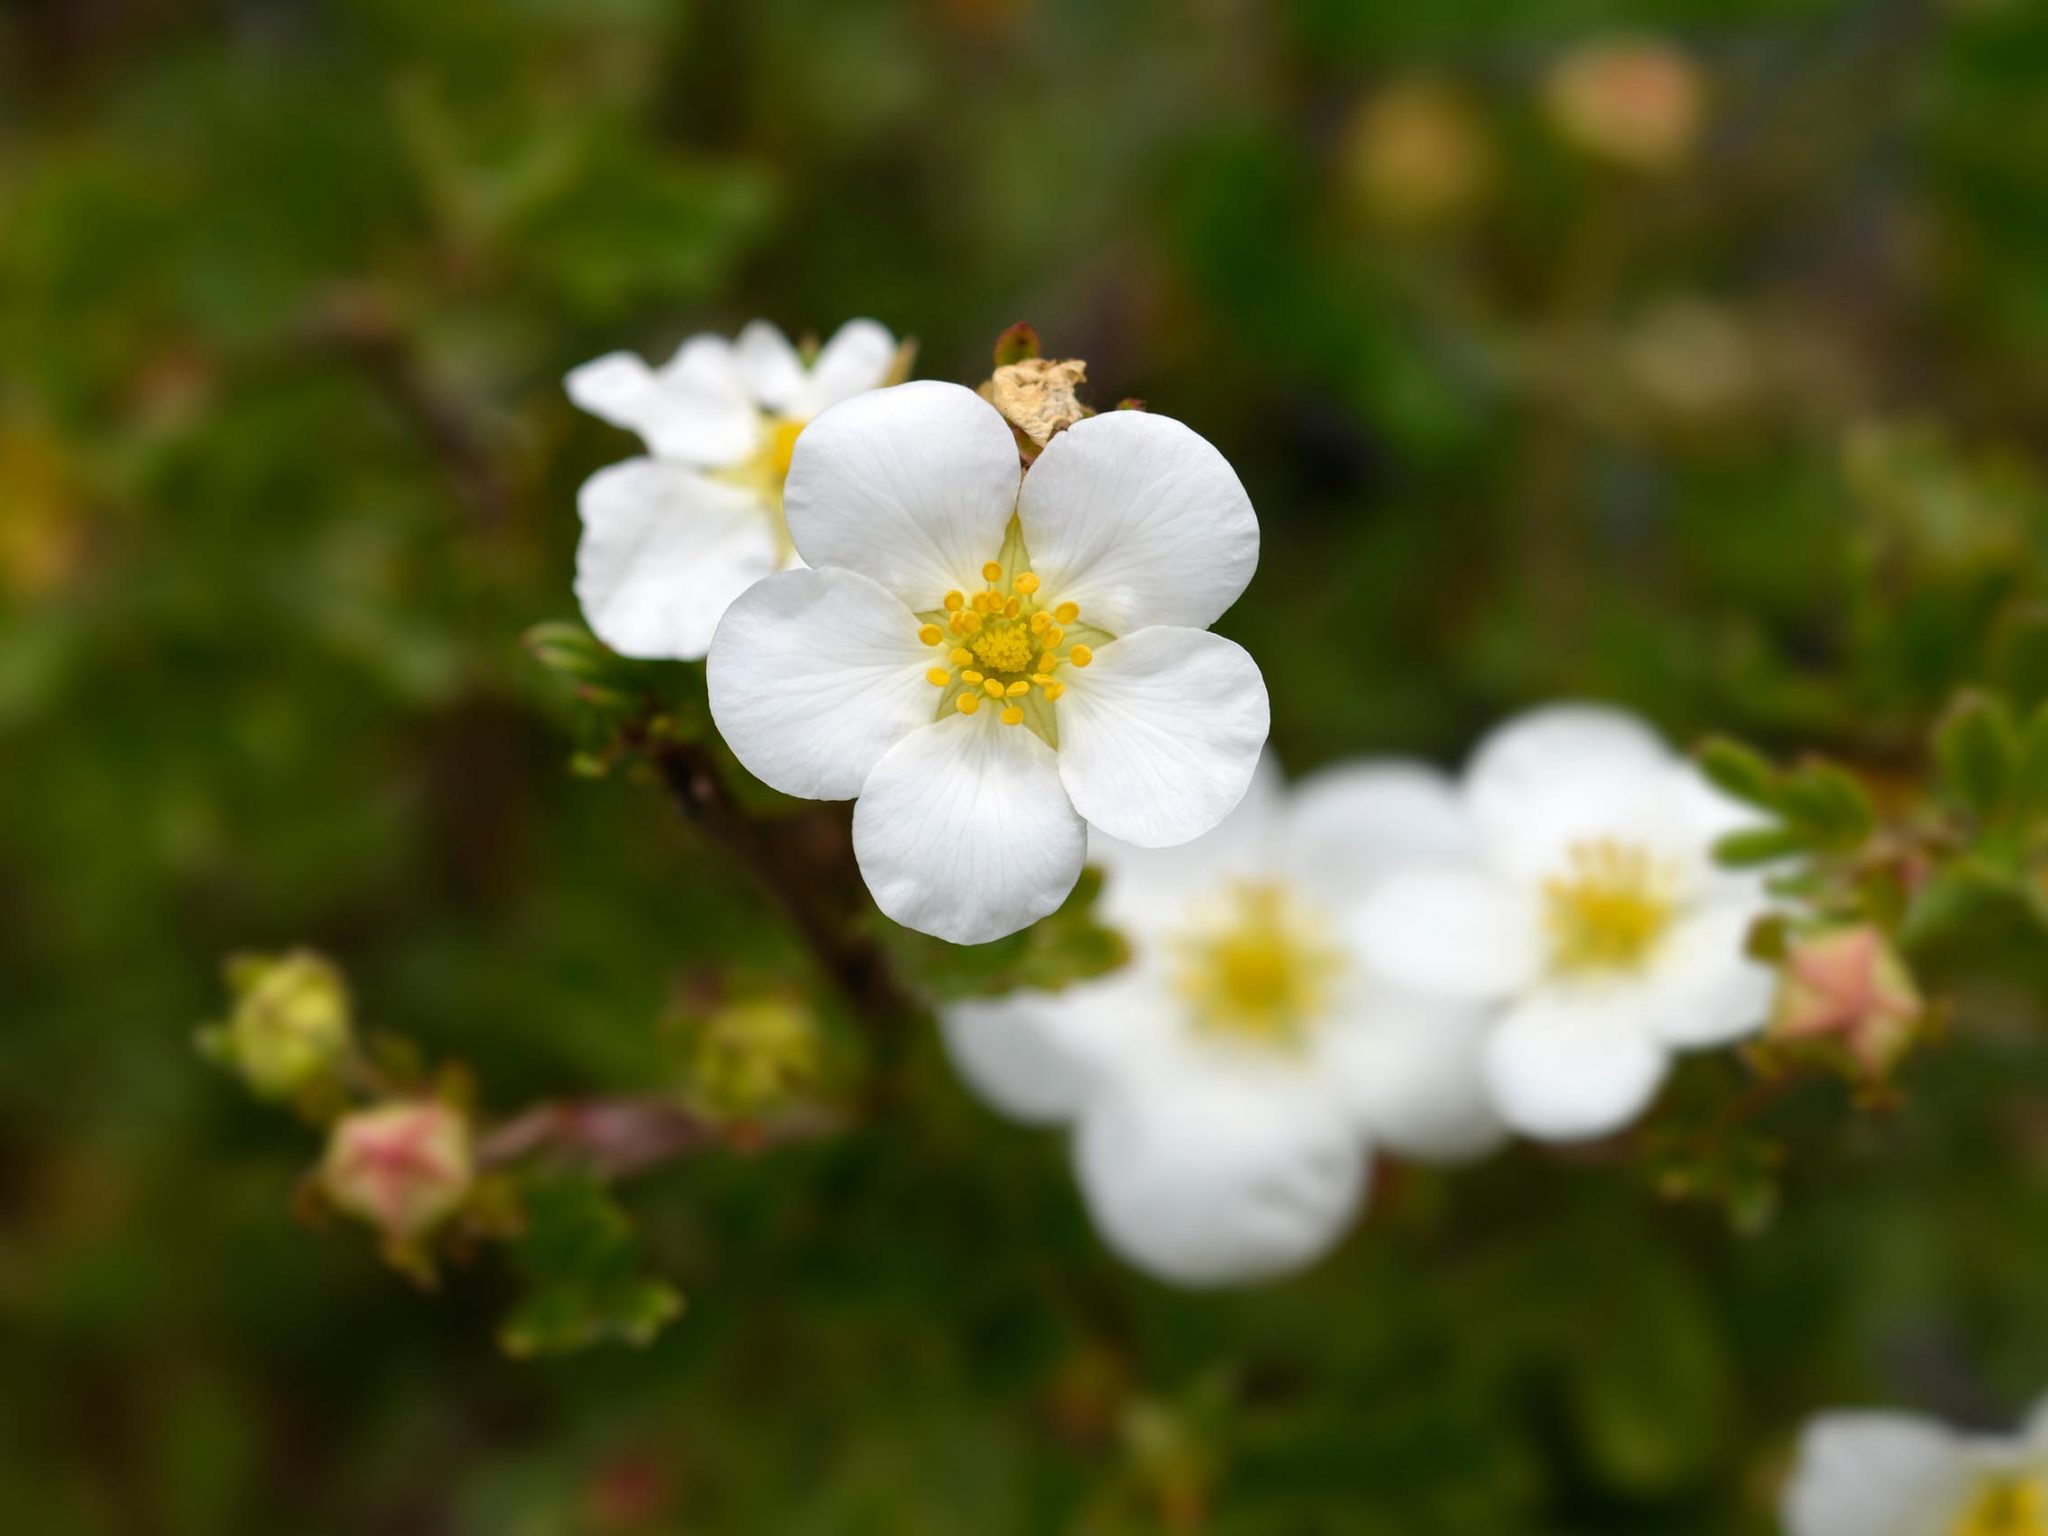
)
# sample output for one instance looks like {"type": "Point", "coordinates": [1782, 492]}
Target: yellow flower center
{"type": "Point", "coordinates": [1257, 964]}
{"type": "Point", "coordinates": [2006, 1506]}
{"type": "Point", "coordinates": [765, 470]}
{"type": "Point", "coordinates": [1005, 644]}
{"type": "Point", "coordinates": [1609, 909]}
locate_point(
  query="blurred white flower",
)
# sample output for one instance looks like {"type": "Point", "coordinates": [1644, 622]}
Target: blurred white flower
{"type": "Point", "coordinates": [991, 669]}
{"type": "Point", "coordinates": [1591, 917]}
{"type": "Point", "coordinates": [1226, 1087]}
{"type": "Point", "coordinates": [1891, 1474]}
{"type": "Point", "coordinates": [669, 541]}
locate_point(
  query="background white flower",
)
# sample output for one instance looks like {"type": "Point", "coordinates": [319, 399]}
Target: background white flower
{"type": "Point", "coordinates": [1592, 918]}
{"type": "Point", "coordinates": [1226, 1086]}
{"type": "Point", "coordinates": [990, 668]}
{"type": "Point", "coordinates": [1891, 1474]}
{"type": "Point", "coordinates": [669, 541]}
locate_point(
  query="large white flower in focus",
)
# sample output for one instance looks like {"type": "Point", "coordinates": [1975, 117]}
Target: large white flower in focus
{"type": "Point", "coordinates": [1592, 918]}
{"type": "Point", "coordinates": [1227, 1086]}
{"type": "Point", "coordinates": [1891, 1474]}
{"type": "Point", "coordinates": [670, 540]}
{"type": "Point", "coordinates": [989, 666]}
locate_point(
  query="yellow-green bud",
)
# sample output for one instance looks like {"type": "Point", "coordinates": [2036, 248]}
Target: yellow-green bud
{"type": "Point", "coordinates": [751, 1055]}
{"type": "Point", "coordinates": [404, 1167]}
{"type": "Point", "coordinates": [290, 1026]}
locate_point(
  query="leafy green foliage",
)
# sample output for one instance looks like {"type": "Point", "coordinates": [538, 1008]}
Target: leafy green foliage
{"type": "Point", "coordinates": [584, 1281]}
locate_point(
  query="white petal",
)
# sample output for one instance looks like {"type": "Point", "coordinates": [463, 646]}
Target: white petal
{"type": "Point", "coordinates": [857, 358]}
{"type": "Point", "coordinates": [1140, 521]}
{"type": "Point", "coordinates": [1147, 891]}
{"type": "Point", "coordinates": [1563, 773]}
{"type": "Point", "coordinates": [1009, 1049]}
{"type": "Point", "coordinates": [1204, 1182]}
{"type": "Point", "coordinates": [695, 409]}
{"type": "Point", "coordinates": [1450, 928]}
{"type": "Point", "coordinates": [1876, 1474]}
{"type": "Point", "coordinates": [1411, 1069]}
{"type": "Point", "coordinates": [813, 676]}
{"type": "Point", "coordinates": [769, 365]}
{"type": "Point", "coordinates": [1039, 1056]}
{"type": "Point", "coordinates": [664, 551]}
{"type": "Point", "coordinates": [1703, 988]}
{"type": "Point", "coordinates": [1160, 735]}
{"type": "Point", "coordinates": [963, 831]}
{"type": "Point", "coordinates": [1570, 1063]}
{"type": "Point", "coordinates": [911, 486]}
{"type": "Point", "coordinates": [1347, 827]}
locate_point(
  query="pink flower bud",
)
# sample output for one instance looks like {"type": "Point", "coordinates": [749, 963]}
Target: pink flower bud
{"type": "Point", "coordinates": [404, 1167]}
{"type": "Point", "coordinates": [1847, 988]}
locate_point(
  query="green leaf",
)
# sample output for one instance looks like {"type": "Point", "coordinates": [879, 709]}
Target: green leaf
{"type": "Point", "coordinates": [1739, 771]}
{"type": "Point", "coordinates": [584, 1280]}
{"type": "Point", "coordinates": [1978, 748]}
{"type": "Point", "coordinates": [1054, 952]}
{"type": "Point", "coordinates": [1827, 804]}
{"type": "Point", "coordinates": [1759, 845]}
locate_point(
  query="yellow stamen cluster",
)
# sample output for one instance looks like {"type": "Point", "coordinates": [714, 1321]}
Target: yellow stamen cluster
{"type": "Point", "coordinates": [1258, 965]}
{"type": "Point", "coordinates": [766, 469]}
{"type": "Point", "coordinates": [1005, 645]}
{"type": "Point", "coordinates": [2006, 1506]}
{"type": "Point", "coordinates": [1609, 910]}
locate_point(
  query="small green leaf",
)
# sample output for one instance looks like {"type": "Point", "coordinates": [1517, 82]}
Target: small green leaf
{"type": "Point", "coordinates": [1827, 804]}
{"type": "Point", "coordinates": [1759, 845]}
{"type": "Point", "coordinates": [585, 1285]}
{"type": "Point", "coordinates": [1738, 770]}
{"type": "Point", "coordinates": [1978, 747]}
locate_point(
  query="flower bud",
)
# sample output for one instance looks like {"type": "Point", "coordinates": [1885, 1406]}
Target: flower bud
{"type": "Point", "coordinates": [1416, 154]}
{"type": "Point", "coordinates": [751, 1055]}
{"type": "Point", "coordinates": [404, 1167]}
{"type": "Point", "coordinates": [1846, 991]}
{"type": "Point", "coordinates": [1638, 104]}
{"type": "Point", "coordinates": [290, 1026]}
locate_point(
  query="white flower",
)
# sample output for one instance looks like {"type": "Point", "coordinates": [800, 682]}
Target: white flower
{"type": "Point", "coordinates": [990, 669]}
{"type": "Point", "coordinates": [1226, 1086]}
{"type": "Point", "coordinates": [1891, 1474]}
{"type": "Point", "coordinates": [669, 541]}
{"type": "Point", "coordinates": [1592, 918]}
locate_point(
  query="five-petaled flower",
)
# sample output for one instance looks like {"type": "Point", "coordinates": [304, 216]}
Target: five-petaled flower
{"type": "Point", "coordinates": [1591, 917]}
{"type": "Point", "coordinates": [991, 665]}
{"type": "Point", "coordinates": [670, 540]}
{"type": "Point", "coordinates": [1892, 1474]}
{"type": "Point", "coordinates": [1227, 1086]}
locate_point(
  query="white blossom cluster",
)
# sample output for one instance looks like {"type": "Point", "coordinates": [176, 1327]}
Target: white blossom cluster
{"type": "Point", "coordinates": [1009, 669]}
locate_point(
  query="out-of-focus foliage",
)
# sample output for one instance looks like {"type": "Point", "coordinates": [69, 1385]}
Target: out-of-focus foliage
{"type": "Point", "coordinates": [1744, 435]}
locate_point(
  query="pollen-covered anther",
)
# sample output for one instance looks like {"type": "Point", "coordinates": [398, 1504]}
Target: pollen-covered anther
{"type": "Point", "coordinates": [1080, 655]}
{"type": "Point", "coordinates": [960, 656]}
{"type": "Point", "coordinates": [1066, 613]}
{"type": "Point", "coordinates": [931, 634]}
{"type": "Point", "coordinates": [993, 687]}
{"type": "Point", "coordinates": [1012, 715]}
{"type": "Point", "coordinates": [993, 571]}
{"type": "Point", "coordinates": [1026, 582]}
{"type": "Point", "coordinates": [968, 703]}
{"type": "Point", "coordinates": [971, 678]}
{"type": "Point", "coordinates": [938, 677]}
{"type": "Point", "coordinates": [955, 601]}
{"type": "Point", "coordinates": [1018, 689]}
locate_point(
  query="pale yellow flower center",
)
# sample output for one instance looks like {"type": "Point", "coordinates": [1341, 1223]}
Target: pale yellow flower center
{"type": "Point", "coordinates": [765, 471]}
{"type": "Point", "coordinates": [1257, 964]}
{"type": "Point", "coordinates": [2006, 1506]}
{"type": "Point", "coordinates": [1609, 908]}
{"type": "Point", "coordinates": [1005, 644]}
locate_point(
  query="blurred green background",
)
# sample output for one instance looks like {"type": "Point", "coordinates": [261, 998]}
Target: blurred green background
{"type": "Point", "coordinates": [1734, 426]}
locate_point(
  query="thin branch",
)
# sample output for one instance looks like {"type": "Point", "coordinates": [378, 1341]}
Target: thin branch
{"type": "Point", "coordinates": [857, 964]}
{"type": "Point", "coordinates": [629, 1134]}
